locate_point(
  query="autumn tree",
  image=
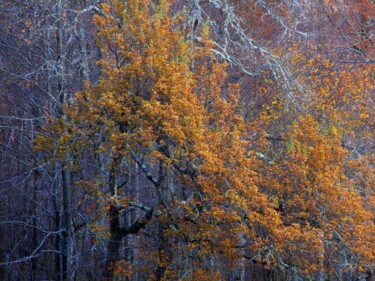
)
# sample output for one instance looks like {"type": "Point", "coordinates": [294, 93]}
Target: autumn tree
{"type": "Point", "coordinates": [160, 104]}
{"type": "Point", "coordinates": [212, 140]}
{"type": "Point", "coordinates": [215, 195]}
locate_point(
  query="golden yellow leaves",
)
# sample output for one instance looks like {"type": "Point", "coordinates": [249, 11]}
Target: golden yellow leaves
{"type": "Point", "coordinates": [164, 99]}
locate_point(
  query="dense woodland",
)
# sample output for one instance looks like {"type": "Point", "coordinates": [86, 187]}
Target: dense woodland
{"type": "Point", "coordinates": [187, 140]}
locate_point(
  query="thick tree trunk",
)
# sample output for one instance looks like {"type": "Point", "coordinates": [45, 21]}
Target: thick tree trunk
{"type": "Point", "coordinates": [114, 243]}
{"type": "Point", "coordinates": [118, 232]}
{"type": "Point", "coordinates": [165, 252]}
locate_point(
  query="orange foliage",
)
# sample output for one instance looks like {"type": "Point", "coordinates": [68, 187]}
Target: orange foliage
{"type": "Point", "coordinates": [294, 204]}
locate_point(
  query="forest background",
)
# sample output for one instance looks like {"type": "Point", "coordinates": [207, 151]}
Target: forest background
{"type": "Point", "coordinates": [187, 140]}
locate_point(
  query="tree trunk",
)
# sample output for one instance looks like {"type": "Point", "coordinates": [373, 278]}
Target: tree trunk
{"type": "Point", "coordinates": [67, 220]}
{"type": "Point", "coordinates": [166, 193]}
{"type": "Point", "coordinates": [2, 257]}
{"type": "Point", "coordinates": [164, 251]}
{"type": "Point", "coordinates": [58, 227]}
{"type": "Point", "coordinates": [114, 242]}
